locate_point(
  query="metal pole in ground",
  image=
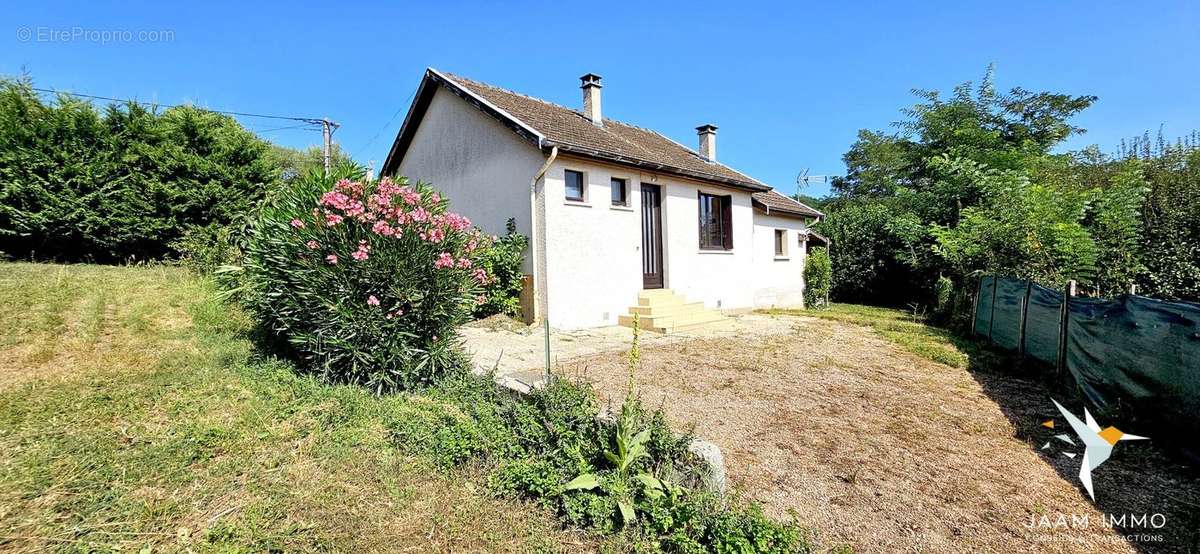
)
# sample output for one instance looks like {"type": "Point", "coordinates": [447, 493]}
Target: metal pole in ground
{"type": "Point", "coordinates": [975, 304]}
{"type": "Point", "coordinates": [1024, 316]}
{"type": "Point", "coordinates": [546, 330]}
{"type": "Point", "coordinates": [1065, 315]}
{"type": "Point", "coordinates": [326, 138]}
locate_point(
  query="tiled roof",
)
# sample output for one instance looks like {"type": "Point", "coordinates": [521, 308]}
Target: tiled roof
{"type": "Point", "coordinates": [775, 202]}
{"type": "Point", "coordinates": [618, 142]}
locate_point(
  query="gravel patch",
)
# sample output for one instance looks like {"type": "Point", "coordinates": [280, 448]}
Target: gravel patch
{"type": "Point", "coordinates": [875, 447]}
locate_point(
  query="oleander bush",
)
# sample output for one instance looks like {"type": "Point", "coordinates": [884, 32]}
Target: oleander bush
{"type": "Point", "coordinates": [366, 281]}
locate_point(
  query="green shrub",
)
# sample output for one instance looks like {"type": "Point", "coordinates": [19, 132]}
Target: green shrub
{"type": "Point", "coordinates": [538, 444]}
{"type": "Point", "coordinates": [365, 281]}
{"type": "Point", "coordinates": [79, 183]}
{"type": "Point", "coordinates": [502, 293]}
{"type": "Point", "coordinates": [818, 275]}
{"type": "Point", "coordinates": [208, 248]}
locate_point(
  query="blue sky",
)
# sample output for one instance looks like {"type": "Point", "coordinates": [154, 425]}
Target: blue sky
{"type": "Point", "coordinates": [788, 84]}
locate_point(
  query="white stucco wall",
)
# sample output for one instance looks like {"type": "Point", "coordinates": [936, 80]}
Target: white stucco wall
{"type": "Point", "coordinates": [778, 280]}
{"type": "Point", "coordinates": [594, 249]}
{"type": "Point", "coordinates": [719, 278]}
{"type": "Point", "coordinates": [594, 260]}
{"type": "Point", "coordinates": [476, 162]}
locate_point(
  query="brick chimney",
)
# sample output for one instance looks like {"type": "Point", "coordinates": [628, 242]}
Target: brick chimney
{"type": "Point", "coordinates": [708, 142]}
{"type": "Point", "coordinates": [591, 98]}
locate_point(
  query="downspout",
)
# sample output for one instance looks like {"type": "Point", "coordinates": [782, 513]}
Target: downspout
{"type": "Point", "coordinates": [538, 256]}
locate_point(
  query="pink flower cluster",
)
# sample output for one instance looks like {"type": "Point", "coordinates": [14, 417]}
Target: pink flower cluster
{"type": "Point", "coordinates": [363, 252]}
{"type": "Point", "coordinates": [395, 210]}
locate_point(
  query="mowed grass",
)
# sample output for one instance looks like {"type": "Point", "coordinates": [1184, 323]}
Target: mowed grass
{"type": "Point", "coordinates": [907, 332]}
{"type": "Point", "coordinates": [135, 415]}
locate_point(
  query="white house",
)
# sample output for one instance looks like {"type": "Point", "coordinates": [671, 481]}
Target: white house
{"type": "Point", "coordinates": [614, 212]}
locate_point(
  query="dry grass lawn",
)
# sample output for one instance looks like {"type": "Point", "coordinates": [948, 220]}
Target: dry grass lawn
{"type": "Point", "coordinates": [133, 417]}
{"type": "Point", "coordinates": [870, 444]}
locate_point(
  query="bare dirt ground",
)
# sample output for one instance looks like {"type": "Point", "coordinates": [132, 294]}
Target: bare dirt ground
{"type": "Point", "coordinates": [885, 451]}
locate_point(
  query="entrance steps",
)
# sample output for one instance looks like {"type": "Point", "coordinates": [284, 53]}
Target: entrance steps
{"type": "Point", "coordinates": [663, 311]}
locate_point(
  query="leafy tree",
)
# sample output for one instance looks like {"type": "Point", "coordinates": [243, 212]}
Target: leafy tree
{"type": "Point", "coordinates": [1023, 229]}
{"type": "Point", "coordinates": [293, 163]}
{"type": "Point", "coordinates": [867, 253]}
{"type": "Point", "coordinates": [905, 192]}
{"type": "Point", "coordinates": [1002, 131]}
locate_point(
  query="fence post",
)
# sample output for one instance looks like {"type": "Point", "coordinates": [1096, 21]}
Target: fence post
{"type": "Point", "coordinates": [1021, 327]}
{"type": "Point", "coordinates": [975, 304]}
{"type": "Point", "coordinates": [992, 316]}
{"type": "Point", "coordinates": [1064, 316]}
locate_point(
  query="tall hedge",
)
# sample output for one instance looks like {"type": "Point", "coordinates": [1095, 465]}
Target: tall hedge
{"type": "Point", "coordinates": [79, 183]}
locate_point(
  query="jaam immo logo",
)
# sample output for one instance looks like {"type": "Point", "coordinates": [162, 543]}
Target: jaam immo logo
{"type": "Point", "coordinates": [1098, 443]}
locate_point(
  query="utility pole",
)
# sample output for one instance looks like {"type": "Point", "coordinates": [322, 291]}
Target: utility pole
{"type": "Point", "coordinates": [327, 128]}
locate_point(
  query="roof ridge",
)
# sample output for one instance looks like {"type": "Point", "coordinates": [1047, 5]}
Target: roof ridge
{"type": "Point", "coordinates": [557, 122]}
{"type": "Point", "coordinates": [568, 108]}
{"type": "Point", "coordinates": [572, 110]}
{"type": "Point", "coordinates": [515, 93]}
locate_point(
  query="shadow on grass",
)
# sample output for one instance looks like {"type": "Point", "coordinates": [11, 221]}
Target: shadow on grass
{"type": "Point", "coordinates": [1141, 478]}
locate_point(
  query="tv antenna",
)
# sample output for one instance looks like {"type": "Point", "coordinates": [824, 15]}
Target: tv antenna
{"type": "Point", "coordinates": [804, 179]}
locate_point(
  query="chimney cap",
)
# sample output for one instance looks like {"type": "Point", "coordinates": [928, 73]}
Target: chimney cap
{"type": "Point", "coordinates": [706, 128]}
{"type": "Point", "coordinates": [590, 80]}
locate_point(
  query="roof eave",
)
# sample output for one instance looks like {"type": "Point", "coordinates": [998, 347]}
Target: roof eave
{"type": "Point", "coordinates": [769, 210]}
{"type": "Point", "coordinates": [421, 101]}
{"type": "Point", "coordinates": [654, 166]}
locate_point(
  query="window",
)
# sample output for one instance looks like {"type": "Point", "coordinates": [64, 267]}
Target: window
{"type": "Point", "coordinates": [716, 222]}
{"type": "Point", "coordinates": [574, 181]}
{"type": "Point", "coordinates": [780, 242]}
{"type": "Point", "coordinates": [620, 192]}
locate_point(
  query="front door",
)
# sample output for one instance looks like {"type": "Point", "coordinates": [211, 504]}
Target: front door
{"type": "Point", "coordinates": [652, 252]}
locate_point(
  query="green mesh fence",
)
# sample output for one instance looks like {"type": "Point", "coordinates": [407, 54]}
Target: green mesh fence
{"type": "Point", "coordinates": [1142, 353]}
{"type": "Point", "coordinates": [983, 309]}
{"type": "Point", "coordinates": [1139, 353]}
{"type": "Point", "coordinates": [1042, 323]}
{"type": "Point", "coordinates": [1006, 313]}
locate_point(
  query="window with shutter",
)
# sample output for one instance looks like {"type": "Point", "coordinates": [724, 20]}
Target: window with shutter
{"type": "Point", "coordinates": [716, 222]}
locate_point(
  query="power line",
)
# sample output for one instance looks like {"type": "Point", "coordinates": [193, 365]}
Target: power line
{"type": "Point", "coordinates": [313, 120]}
{"type": "Point", "coordinates": [327, 126]}
{"type": "Point", "coordinates": [385, 126]}
{"type": "Point", "coordinates": [306, 126]}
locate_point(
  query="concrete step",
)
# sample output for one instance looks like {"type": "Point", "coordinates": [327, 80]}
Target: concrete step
{"type": "Point", "coordinates": [660, 300]}
{"type": "Point", "coordinates": [654, 293]}
{"type": "Point", "coordinates": [688, 326]}
{"type": "Point", "coordinates": [667, 309]}
{"type": "Point", "coordinates": [668, 324]}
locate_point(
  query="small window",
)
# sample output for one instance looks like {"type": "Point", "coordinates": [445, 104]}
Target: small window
{"type": "Point", "coordinates": [780, 242]}
{"type": "Point", "coordinates": [574, 182]}
{"type": "Point", "coordinates": [716, 222]}
{"type": "Point", "coordinates": [620, 192]}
